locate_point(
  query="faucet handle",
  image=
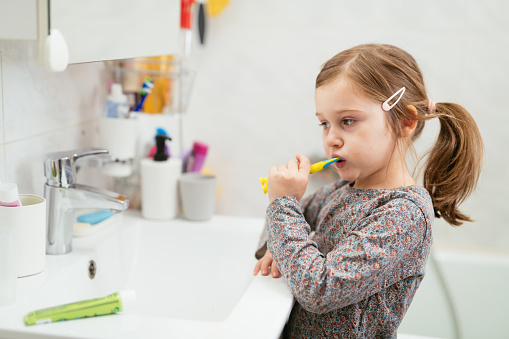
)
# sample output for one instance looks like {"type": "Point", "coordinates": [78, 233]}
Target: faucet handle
{"type": "Point", "coordinates": [60, 167]}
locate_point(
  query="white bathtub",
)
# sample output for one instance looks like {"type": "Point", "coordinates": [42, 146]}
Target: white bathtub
{"type": "Point", "coordinates": [475, 298]}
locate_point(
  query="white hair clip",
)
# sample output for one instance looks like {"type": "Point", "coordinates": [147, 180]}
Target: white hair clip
{"type": "Point", "coordinates": [386, 107]}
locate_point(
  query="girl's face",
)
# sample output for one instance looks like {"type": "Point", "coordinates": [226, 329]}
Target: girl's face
{"type": "Point", "coordinates": [354, 129]}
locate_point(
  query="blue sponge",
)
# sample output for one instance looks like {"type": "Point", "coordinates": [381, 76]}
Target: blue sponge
{"type": "Point", "coordinates": [95, 217]}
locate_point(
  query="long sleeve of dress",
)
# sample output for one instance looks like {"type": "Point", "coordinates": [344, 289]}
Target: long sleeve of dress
{"type": "Point", "coordinates": [309, 205]}
{"type": "Point", "coordinates": [381, 249]}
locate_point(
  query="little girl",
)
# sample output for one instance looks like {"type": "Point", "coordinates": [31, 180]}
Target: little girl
{"type": "Point", "coordinates": [357, 274]}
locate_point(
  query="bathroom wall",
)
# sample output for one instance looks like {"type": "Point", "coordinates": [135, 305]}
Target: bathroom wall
{"type": "Point", "coordinates": [253, 98]}
{"type": "Point", "coordinates": [253, 101]}
{"type": "Point", "coordinates": [43, 112]}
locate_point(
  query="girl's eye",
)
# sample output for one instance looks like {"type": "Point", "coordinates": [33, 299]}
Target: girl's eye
{"type": "Point", "coordinates": [348, 122]}
{"type": "Point", "coordinates": [324, 124]}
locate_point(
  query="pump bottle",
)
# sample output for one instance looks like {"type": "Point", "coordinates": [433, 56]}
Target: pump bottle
{"type": "Point", "coordinates": [159, 183]}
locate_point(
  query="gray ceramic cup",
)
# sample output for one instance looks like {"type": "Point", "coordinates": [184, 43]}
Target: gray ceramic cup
{"type": "Point", "coordinates": [198, 195]}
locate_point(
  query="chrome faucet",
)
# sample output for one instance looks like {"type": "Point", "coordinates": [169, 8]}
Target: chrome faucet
{"type": "Point", "coordinates": [63, 195]}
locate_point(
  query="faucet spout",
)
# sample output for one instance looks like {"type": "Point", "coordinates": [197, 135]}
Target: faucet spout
{"type": "Point", "coordinates": [61, 204]}
{"type": "Point", "coordinates": [63, 195]}
{"type": "Point", "coordinates": [93, 197]}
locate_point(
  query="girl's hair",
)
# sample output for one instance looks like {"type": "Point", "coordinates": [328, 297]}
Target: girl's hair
{"type": "Point", "coordinates": [454, 162]}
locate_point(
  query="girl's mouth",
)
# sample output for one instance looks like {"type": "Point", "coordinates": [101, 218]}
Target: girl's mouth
{"type": "Point", "coordinates": [340, 163]}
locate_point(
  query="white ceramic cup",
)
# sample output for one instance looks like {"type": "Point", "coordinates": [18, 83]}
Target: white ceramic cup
{"type": "Point", "coordinates": [29, 222]}
{"type": "Point", "coordinates": [119, 137]}
{"type": "Point", "coordinates": [198, 195]}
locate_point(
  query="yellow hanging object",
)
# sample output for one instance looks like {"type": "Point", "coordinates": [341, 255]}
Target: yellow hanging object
{"type": "Point", "coordinates": [217, 6]}
{"type": "Point", "coordinates": [159, 97]}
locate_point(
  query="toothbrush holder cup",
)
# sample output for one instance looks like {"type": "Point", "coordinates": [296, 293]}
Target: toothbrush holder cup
{"type": "Point", "coordinates": [120, 138]}
{"type": "Point", "coordinates": [28, 224]}
{"type": "Point", "coordinates": [198, 195]}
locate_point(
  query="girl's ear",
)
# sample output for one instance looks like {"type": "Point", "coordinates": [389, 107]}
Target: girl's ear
{"type": "Point", "coordinates": [409, 125]}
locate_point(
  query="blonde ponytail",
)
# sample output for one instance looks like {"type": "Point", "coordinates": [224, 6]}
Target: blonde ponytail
{"type": "Point", "coordinates": [454, 163]}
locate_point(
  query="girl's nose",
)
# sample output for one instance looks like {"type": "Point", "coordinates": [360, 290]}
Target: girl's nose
{"type": "Point", "coordinates": [334, 139]}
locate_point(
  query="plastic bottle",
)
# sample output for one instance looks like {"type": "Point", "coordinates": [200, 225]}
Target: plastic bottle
{"type": "Point", "coordinates": [159, 183]}
{"type": "Point", "coordinates": [9, 195]}
{"type": "Point", "coordinates": [197, 157]}
{"type": "Point", "coordinates": [116, 103]}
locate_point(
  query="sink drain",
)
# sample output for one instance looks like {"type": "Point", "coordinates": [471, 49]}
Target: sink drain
{"type": "Point", "coordinates": [92, 269]}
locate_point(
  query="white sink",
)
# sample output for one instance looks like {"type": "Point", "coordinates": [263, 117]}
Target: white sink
{"type": "Point", "coordinates": [192, 280]}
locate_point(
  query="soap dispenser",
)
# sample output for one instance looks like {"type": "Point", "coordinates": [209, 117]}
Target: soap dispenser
{"type": "Point", "coordinates": [159, 183]}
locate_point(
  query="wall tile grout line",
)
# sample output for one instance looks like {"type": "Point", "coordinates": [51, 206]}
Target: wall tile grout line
{"type": "Point", "coordinates": [64, 128]}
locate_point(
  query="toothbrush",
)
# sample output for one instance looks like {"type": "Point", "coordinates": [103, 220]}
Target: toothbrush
{"type": "Point", "coordinates": [145, 90]}
{"type": "Point", "coordinates": [314, 168]}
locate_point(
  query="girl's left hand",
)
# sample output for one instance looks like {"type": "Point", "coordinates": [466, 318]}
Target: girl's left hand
{"type": "Point", "coordinates": [290, 179]}
{"type": "Point", "coordinates": [267, 265]}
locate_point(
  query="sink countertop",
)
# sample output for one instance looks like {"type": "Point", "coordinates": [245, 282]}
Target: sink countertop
{"type": "Point", "coordinates": [192, 279]}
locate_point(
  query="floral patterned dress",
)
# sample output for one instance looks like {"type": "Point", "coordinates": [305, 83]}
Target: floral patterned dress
{"type": "Point", "coordinates": [357, 274]}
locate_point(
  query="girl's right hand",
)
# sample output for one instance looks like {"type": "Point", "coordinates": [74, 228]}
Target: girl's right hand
{"type": "Point", "coordinates": [290, 179]}
{"type": "Point", "coordinates": [266, 264]}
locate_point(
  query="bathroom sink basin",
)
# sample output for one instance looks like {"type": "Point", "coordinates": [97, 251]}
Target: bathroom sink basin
{"type": "Point", "coordinates": [192, 280]}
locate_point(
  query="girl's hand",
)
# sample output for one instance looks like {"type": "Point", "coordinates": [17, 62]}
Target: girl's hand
{"type": "Point", "coordinates": [266, 264]}
{"type": "Point", "coordinates": [290, 179]}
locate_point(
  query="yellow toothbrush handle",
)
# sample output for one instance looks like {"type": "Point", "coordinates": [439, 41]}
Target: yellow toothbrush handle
{"type": "Point", "coordinates": [321, 165]}
{"type": "Point", "coordinates": [314, 168]}
{"type": "Point", "coordinates": [264, 182]}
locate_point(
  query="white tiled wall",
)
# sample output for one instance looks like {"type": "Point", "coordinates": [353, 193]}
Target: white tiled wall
{"type": "Point", "coordinates": [253, 96]}
{"type": "Point", "coordinates": [44, 112]}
